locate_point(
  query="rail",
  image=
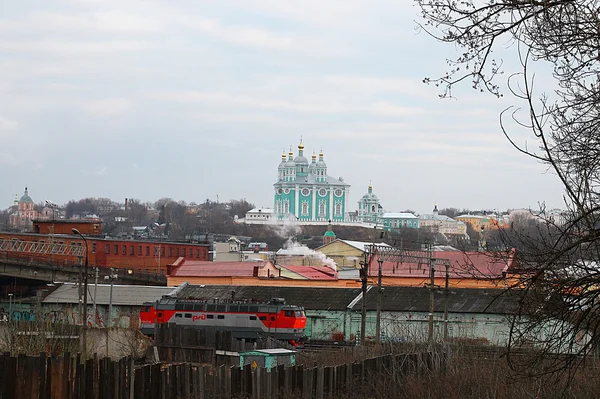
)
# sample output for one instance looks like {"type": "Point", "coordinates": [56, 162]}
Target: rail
{"type": "Point", "coordinates": [38, 261]}
{"type": "Point", "coordinates": [32, 247]}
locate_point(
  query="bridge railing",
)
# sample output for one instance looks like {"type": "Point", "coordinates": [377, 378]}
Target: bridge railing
{"type": "Point", "coordinates": [64, 265]}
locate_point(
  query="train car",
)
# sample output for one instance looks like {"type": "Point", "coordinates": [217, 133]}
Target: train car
{"type": "Point", "coordinates": [246, 320]}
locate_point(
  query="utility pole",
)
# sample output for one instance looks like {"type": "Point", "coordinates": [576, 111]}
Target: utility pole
{"type": "Point", "coordinates": [112, 277]}
{"type": "Point", "coordinates": [80, 291]}
{"type": "Point", "coordinates": [363, 319]}
{"type": "Point", "coordinates": [431, 295]}
{"type": "Point", "coordinates": [446, 304]}
{"type": "Point", "coordinates": [379, 299]}
{"type": "Point", "coordinates": [95, 293]}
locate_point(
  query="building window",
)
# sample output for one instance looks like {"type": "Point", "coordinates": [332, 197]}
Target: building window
{"type": "Point", "coordinates": [322, 208]}
{"type": "Point", "coordinates": [131, 250]}
{"type": "Point", "coordinates": [197, 253]}
{"type": "Point", "coordinates": [304, 208]}
{"type": "Point", "coordinates": [116, 249]}
{"type": "Point", "coordinates": [139, 250]}
{"type": "Point", "coordinates": [338, 192]}
{"type": "Point", "coordinates": [183, 252]}
{"type": "Point", "coordinates": [124, 250]}
{"type": "Point", "coordinates": [279, 207]}
{"type": "Point", "coordinates": [94, 248]}
{"type": "Point", "coordinates": [322, 192]}
{"type": "Point", "coordinates": [155, 251]}
{"type": "Point", "coordinates": [286, 206]}
{"type": "Point", "coordinates": [170, 251]}
{"type": "Point", "coordinates": [220, 317]}
{"type": "Point", "coordinates": [338, 208]}
{"type": "Point", "coordinates": [305, 191]}
{"type": "Point", "coordinates": [147, 250]}
{"type": "Point", "coordinates": [107, 249]}
{"type": "Point", "coordinates": [177, 252]}
{"type": "Point", "coordinates": [162, 251]}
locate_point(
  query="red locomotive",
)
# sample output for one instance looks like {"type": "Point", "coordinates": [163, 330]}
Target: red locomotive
{"type": "Point", "coordinates": [246, 320]}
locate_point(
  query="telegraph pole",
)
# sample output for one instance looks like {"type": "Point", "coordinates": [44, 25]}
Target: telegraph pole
{"type": "Point", "coordinates": [95, 296]}
{"type": "Point", "coordinates": [431, 295]}
{"type": "Point", "coordinates": [446, 304]}
{"type": "Point", "coordinates": [379, 298]}
{"type": "Point", "coordinates": [363, 320]}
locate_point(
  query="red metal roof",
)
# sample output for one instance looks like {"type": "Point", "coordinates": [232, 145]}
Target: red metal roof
{"type": "Point", "coordinates": [473, 265]}
{"type": "Point", "coordinates": [191, 268]}
{"type": "Point", "coordinates": [314, 272]}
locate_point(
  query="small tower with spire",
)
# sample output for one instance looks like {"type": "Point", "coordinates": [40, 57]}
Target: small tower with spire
{"type": "Point", "coordinates": [369, 208]}
{"type": "Point", "coordinates": [321, 169]}
{"type": "Point", "coordinates": [329, 235]}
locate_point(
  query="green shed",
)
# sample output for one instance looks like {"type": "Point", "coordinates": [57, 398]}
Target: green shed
{"type": "Point", "coordinates": [268, 358]}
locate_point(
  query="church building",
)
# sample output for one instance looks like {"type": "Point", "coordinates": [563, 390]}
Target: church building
{"type": "Point", "coordinates": [305, 191]}
{"type": "Point", "coordinates": [24, 212]}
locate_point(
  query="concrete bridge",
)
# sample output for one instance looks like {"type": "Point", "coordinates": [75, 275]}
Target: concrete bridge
{"type": "Point", "coordinates": [32, 267]}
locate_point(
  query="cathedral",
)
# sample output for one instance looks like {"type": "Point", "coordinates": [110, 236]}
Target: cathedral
{"type": "Point", "coordinates": [24, 212]}
{"type": "Point", "coordinates": [305, 191]}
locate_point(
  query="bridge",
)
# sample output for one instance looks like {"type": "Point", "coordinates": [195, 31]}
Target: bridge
{"type": "Point", "coordinates": [34, 261]}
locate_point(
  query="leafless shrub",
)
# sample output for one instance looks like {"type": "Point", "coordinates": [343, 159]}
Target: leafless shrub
{"type": "Point", "coordinates": [559, 277]}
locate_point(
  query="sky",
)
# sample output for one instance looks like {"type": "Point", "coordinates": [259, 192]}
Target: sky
{"type": "Point", "coordinates": [196, 100]}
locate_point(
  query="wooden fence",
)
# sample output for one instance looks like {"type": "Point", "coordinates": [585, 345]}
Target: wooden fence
{"type": "Point", "coordinates": [70, 377]}
{"type": "Point", "coordinates": [174, 343]}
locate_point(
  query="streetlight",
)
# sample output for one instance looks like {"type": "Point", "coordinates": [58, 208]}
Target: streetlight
{"type": "Point", "coordinates": [85, 288]}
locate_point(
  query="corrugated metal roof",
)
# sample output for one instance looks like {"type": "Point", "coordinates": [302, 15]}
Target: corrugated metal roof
{"type": "Point", "coordinates": [310, 298]}
{"type": "Point", "coordinates": [399, 299]}
{"type": "Point", "coordinates": [398, 215]}
{"type": "Point", "coordinates": [123, 295]}
{"type": "Point", "coordinates": [191, 268]}
{"type": "Point", "coordinates": [473, 265]}
{"type": "Point", "coordinates": [360, 245]}
{"type": "Point", "coordinates": [313, 272]}
{"type": "Point", "coordinates": [464, 300]}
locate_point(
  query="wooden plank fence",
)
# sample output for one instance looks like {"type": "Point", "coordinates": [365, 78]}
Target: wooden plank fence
{"type": "Point", "coordinates": [70, 377]}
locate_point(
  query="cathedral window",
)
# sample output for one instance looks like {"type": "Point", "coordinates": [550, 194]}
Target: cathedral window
{"type": "Point", "coordinates": [322, 192]}
{"type": "Point", "coordinates": [286, 206]}
{"type": "Point", "coordinates": [305, 191]}
{"type": "Point", "coordinates": [304, 208]}
{"type": "Point", "coordinates": [372, 208]}
{"type": "Point", "coordinates": [338, 208]}
{"type": "Point", "coordinates": [279, 206]}
{"type": "Point", "coordinates": [322, 208]}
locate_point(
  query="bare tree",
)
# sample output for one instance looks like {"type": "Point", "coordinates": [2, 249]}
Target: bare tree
{"type": "Point", "coordinates": [560, 277]}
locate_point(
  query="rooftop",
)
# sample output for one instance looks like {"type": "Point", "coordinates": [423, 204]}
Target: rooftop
{"type": "Point", "coordinates": [465, 265]}
{"type": "Point", "coordinates": [123, 295]}
{"type": "Point", "coordinates": [398, 215]}
{"type": "Point", "coordinates": [193, 268]}
{"type": "Point", "coordinates": [313, 272]}
{"type": "Point", "coordinates": [408, 299]}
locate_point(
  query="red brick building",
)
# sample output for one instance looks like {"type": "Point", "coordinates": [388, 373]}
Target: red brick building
{"type": "Point", "coordinates": [134, 255]}
{"type": "Point", "coordinates": [66, 226]}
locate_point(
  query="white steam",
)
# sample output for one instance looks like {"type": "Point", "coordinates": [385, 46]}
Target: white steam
{"type": "Point", "coordinates": [285, 228]}
{"type": "Point", "coordinates": [294, 248]}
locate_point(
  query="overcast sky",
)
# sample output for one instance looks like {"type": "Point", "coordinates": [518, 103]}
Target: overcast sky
{"type": "Point", "coordinates": [192, 99]}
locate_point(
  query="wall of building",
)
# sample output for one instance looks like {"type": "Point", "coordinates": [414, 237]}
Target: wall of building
{"type": "Point", "coordinates": [173, 281]}
{"type": "Point", "coordinates": [408, 326]}
{"type": "Point", "coordinates": [85, 227]}
{"type": "Point", "coordinates": [121, 316]}
{"type": "Point", "coordinates": [343, 254]}
{"type": "Point", "coordinates": [148, 256]}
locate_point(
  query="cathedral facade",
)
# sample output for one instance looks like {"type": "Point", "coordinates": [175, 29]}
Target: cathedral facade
{"type": "Point", "coordinates": [305, 192]}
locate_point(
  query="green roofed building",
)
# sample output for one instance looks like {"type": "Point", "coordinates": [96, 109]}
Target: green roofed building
{"type": "Point", "coordinates": [306, 193]}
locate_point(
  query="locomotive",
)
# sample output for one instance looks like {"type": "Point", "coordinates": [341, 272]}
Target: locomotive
{"type": "Point", "coordinates": [246, 320]}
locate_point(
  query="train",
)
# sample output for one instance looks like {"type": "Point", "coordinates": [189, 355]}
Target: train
{"type": "Point", "coordinates": [246, 320]}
